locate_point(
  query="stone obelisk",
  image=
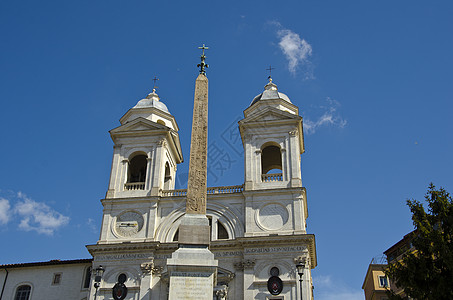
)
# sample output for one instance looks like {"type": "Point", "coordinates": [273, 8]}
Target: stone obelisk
{"type": "Point", "coordinates": [192, 268]}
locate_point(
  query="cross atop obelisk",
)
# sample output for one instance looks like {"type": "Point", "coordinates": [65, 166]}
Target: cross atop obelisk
{"type": "Point", "coordinates": [203, 65]}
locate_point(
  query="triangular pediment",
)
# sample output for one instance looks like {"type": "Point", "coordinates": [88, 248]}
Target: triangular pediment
{"type": "Point", "coordinates": [270, 114]}
{"type": "Point", "coordinates": [139, 124]}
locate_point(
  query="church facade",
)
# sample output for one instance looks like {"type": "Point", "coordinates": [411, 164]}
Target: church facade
{"type": "Point", "coordinates": [258, 228]}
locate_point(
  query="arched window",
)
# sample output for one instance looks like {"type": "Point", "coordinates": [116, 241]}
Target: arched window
{"type": "Point", "coordinates": [271, 163]}
{"type": "Point", "coordinates": [167, 177]}
{"type": "Point", "coordinates": [87, 279]}
{"type": "Point", "coordinates": [23, 292]}
{"type": "Point", "coordinates": [160, 122]}
{"type": "Point", "coordinates": [136, 172]}
{"type": "Point", "coordinates": [222, 233]}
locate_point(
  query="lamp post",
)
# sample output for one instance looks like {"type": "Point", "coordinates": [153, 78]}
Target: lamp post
{"type": "Point", "coordinates": [300, 270]}
{"type": "Point", "coordinates": [99, 271]}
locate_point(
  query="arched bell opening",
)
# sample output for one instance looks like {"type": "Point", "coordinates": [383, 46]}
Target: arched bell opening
{"type": "Point", "coordinates": [271, 162]}
{"type": "Point", "coordinates": [167, 177]}
{"type": "Point", "coordinates": [136, 174]}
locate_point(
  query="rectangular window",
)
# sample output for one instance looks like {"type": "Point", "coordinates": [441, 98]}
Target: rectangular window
{"type": "Point", "coordinates": [383, 282]}
{"type": "Point", "coordinates": [56, 278]}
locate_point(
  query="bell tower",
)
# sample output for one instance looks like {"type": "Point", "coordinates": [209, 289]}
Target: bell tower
{"type": "Point", "coordinates": [146, 150]}
{"type": "Point", "coordinates": [273, 141]}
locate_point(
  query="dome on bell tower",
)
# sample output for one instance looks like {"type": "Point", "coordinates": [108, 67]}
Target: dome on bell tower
{"type": "Point", "coordinates": [153, 109]}
{"type": "Point", "coordinates": [271, 97]}
{"type": "Point", "coordinates": [152, 100]}
{"type": "Point", "coordinates": [270, 92]}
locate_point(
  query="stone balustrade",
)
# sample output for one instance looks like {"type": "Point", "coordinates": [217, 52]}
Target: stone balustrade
{"type": "Point", "coordinates": [272, 177]}
{"type": "Point", "coordinates": [133, 186]}
{"type": "Point", "coordinates": [225, 189]}
{"type": "Point", "coordinates": [209, 191]}
{"type": "Point", "coordinates": [174, 193]}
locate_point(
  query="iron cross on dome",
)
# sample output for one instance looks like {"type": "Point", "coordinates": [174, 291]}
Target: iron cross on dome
{"type": "Point", "coordinates": [155, 79]}
{"type": "Point", "coordinates": [270, 71]}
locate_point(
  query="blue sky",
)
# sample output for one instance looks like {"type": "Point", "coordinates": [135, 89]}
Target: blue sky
{"type": "Point", "coordinates": [373, 81]}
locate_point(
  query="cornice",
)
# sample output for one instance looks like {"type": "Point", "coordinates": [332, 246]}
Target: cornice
{"type": "Point", "coordinates": [140, 199]}
{"type": "Point", "coordinates": [265, 124]}
{"type": "Point", "coordinates": [293, 190]}
{"type": "Point", "coordinates": [269, 241]}
{"type": "Point", "coordinates": [307, 240]}
{"type": "Point", "coordinates": [122, 247]}
{"type": "Point", "coordinates": [150, 110]}
{"type": "Point", "coordinates": [266, 102]}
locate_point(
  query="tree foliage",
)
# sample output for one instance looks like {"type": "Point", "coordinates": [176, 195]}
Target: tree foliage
{"type": "Point", "coordinates": [426, 270]}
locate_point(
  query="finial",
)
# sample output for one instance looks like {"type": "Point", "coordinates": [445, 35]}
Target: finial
{"type": "Point", "coordinates": [203, 65]}
{"type": "Point", "coordinates": [155, 87]}
{"type": "Point", "coordinates": [270, 73]}
{"type": "Point", "coordinates": [153, 94]}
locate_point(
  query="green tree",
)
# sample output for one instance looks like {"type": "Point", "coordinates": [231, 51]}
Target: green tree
{"type": "Point", "coordinates": [426, 271]}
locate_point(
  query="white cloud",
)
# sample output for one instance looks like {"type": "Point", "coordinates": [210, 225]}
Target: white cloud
{"type": "Point", "coordinates": [330, 117]}
{"type": "Point", "coordinates": [328, 289]}
{"type": "Point", "coordinates": [4, 211]}
{"type": "Point", "coordinates": [92, 225]}
{"type": "Point", "coordinates": [37, 216]}
{"type": "Point", "coordinates": [296, 50]}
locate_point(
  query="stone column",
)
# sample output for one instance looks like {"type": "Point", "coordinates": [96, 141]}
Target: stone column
{"type": "Point", "coordinates": [157, 165]}
{"type": "Point", "coordinates": [148, 177]}
{"type": "Point", "coordinates": [294, 159]}
{"type": "Point", "coordinates": [116, 167]}
{"type": "Point", "coordinates": [123, 175]}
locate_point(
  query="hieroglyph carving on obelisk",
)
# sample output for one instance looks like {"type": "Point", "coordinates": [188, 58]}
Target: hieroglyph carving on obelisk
{"type": "Point", "coordinates": [196, 186]}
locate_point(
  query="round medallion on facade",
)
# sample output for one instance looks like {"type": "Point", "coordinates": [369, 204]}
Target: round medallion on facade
{"type": "Point", "coordinates": [128, 223]}
{"type": "Point", "coordinates": [273, 216]}
{"type": "Point", "coordinates": [274, 285]}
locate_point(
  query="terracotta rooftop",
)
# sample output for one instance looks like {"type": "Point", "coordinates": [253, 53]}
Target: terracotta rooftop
{"type": "Point", "coordinates": [48, 263]}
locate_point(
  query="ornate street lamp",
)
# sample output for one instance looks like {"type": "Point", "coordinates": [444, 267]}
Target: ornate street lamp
{"type": "Point", "coordinates": [97, 279]}
{"type": "Point", "coordinates": [300, 270]}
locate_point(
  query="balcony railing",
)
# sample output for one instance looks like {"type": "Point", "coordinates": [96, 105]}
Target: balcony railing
{"type": "Point", "coordinates": [209, 191]}
{"type": "Point", "coordinates": [225, 189]}
{"type": "Point", "coordinates": [169, 193]}
{"type": "Point", "coordinates": [133, 186]}
{"type": "Point", "coordinates": [272, 177]}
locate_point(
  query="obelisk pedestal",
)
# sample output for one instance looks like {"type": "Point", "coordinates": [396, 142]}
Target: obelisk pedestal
{"type": "Point", "coordinates": [192, 268]}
